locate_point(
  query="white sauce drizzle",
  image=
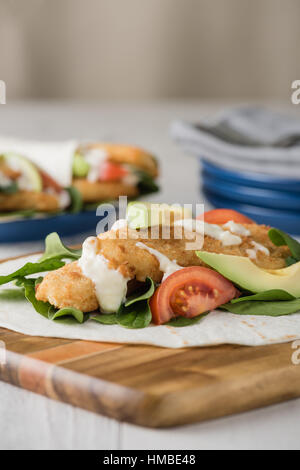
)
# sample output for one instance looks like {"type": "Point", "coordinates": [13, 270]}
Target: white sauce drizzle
{"type": "Point", "coordinates": [110, 285]}
{"type": "Point", "coordinates": [237, 228]}
{"type": "Point", "coordinates": [252, 253]}
{"type": "Point", "coordinates": [212, 230]}
{"type": "Point", "coordinates": [119, 224]}
{"type": "Point", "coordinates": [165, 265]}
{"type": "Point", "coordinates": [94, 158]}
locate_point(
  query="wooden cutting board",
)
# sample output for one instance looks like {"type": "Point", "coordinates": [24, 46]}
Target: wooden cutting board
{"type": "Point", "coordinates": [151, 386]}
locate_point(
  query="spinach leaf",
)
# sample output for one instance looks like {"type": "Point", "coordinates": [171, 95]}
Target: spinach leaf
{"type": "Point", "coordinates": [12, 294]}
{"type": "Point", "coordinates": [106, 318]}
{"type": "Point", "coordinates": [146, 295]}
{"type": "Point", "coordinates": [290, 260]}
{"type": "Point", "coordinates": [267, 296]}
{"type": "Point", "coordinates": [182, 321]}
{"type": "Point", "coordinates": [265, 308]}
{"type": "Point", "coordinates": [136, 315]}
{"type": "Point", "coordinates": [64, 315]}
{"type": "Point", "coordinates": [10, 189]}
{"type": "Point", "coordinates": [54, 248]}
{"type": "Point", "coordinates": [74, 313]}
{"type": "Point", "coordinates": [146, 184]}
{"type": "Point", "coordinates": [280, 238]}
{"type": "Point", "coordinates": [40, 307]}
{"type": "Point", "coordinates": [76, 200]}
{"type": "Point", "coordinates": [32, 268]}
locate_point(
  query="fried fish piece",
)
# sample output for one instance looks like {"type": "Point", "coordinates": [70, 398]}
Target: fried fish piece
{"type": "Point", "coordinates": [69, 287]}
{"type": "Point", "coordinates": [101, 190]}
{"type": "Point", "coordinates": [26, 200]}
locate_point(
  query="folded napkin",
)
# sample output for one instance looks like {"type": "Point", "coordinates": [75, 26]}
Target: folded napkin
{"type": "Point", "coordinates": [245, 138]}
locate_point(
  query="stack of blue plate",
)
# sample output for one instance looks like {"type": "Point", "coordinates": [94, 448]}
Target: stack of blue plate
{"type": "Point", "coordinates": [266, 199]}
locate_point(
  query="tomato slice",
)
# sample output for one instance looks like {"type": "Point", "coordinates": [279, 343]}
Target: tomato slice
{"type": "Point", "coordinates": [222, 216]}
{"type": "Point", "coordinates": [189, 292]}
{"type": "Point", "coordinates": [49, 182]}
{"type": "Point", "coordinates": [110, 171]}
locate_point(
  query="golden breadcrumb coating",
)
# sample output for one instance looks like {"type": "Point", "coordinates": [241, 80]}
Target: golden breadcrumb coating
{"type": "Point", "coordinates": [68, 287]}
{"type": "Point", "coordinates": [23, 200]}
{"type": "Point", "coordinates": [103, 190]}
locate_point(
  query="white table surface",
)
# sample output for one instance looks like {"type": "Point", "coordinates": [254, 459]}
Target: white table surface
{"type": "Point", "coordinates": [29, 421]}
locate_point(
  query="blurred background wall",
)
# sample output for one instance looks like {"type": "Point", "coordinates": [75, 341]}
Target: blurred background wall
{"type": "Point", "coordinates": [149, 49]}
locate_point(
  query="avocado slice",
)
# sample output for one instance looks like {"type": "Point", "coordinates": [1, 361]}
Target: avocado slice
{"type": "Point", "coordinates": [146, 214]}
{"type": "Point", "coordinates": [80, 166]}
{"type": "Point", "coordinates": [241, 271]}
{"type": "Point", "coordinates": [26, 168]}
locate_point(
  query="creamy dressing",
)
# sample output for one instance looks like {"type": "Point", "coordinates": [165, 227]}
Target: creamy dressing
{"type": "Point", "coordinates": [132, 179]}
{"type": "Point", "coordinates": [95, 157]}
{"type": "Point", "coordinates": [165, 264]}
{"type": "Point", "coordinates": [252, 253]}
{"type": "Point", "coordinates": [110, 285]}
{"type": "Point", "coordinates": [119, 224]}
{"type": "Point", "coordinates": [64, 199]}
{"type": "Point", "coordinates": [238, 229]}
{"type": "Point", "coordinates": [212, 230]}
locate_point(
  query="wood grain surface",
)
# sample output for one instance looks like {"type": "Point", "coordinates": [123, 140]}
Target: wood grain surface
{"type": "Point", "coordinates": [150, 386]}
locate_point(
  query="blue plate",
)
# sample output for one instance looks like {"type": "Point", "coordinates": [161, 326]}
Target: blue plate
{"type": "Point", "coordinates": [256, 180]}
{"type": "Point", "coordinates": [285, 220]}
{"type": "Point", "coordinates": [38, 228]}
{"type": "Point", "coordinates": [250, 195]}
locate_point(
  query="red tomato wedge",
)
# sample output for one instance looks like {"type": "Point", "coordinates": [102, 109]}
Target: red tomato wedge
{"type": "Point", "coordinates": [111, 172]}
{"type": "Point", "coordinates": [222, 216]}
{"type": "Point", "coordinates": [190, 292]}
{"type": "Point", "coordinates": [49, 182]}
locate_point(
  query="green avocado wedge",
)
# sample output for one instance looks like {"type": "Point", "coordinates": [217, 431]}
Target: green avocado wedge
{"type": "Point", "coordinates": [242, 272]}
{"type": "Point", "coordinates": [27, 168]}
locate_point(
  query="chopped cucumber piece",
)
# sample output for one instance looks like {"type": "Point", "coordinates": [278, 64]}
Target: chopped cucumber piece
{"type": "Point", "coordinates": [80, 166]}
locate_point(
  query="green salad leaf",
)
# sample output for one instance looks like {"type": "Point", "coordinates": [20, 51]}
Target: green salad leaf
{"type": "Point", "coordinates": [271, 303]}
{"type": "Point", "coordinates": [267, 296]}
{"type": "Point", "coordinates": [146, 184]}
{"type": "Point", "coordinates": [137, 297]}
{"type": "Point", "coordinates": [55, 249]}
{"type": "Point", "coordinates": [12, 294]}
{"type": "Point", "coordinates": [76, 200]}
{"type": "Point", "coordinates": [106, 318]}
{"type": "Point", "coordinates": [29, 285]}
{"type": "Point", "coordinates": [182, 321]}
{"type": "Point", "coordinates": [280, 238]}
{"type": "Point", "coordinates": [290, 260]}
{"type": "Point", "coordinates": [265, 308]}
{"type": "Point", "coordinates": [10, 189]}
{"type": "Point", "coordinates": [32, 268]}
{"type": "Point", "coordinates": [136, 315]}
{"type": "Point", "coordinates": [74, 313]}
